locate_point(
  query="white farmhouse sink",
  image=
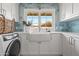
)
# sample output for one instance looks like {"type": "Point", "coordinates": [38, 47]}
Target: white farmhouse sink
{"type": "Point", "coordinates": [40, 36]}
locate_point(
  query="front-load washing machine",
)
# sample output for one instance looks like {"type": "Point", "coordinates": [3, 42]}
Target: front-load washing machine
{"type": "Point", "coordinates": [10, 44]}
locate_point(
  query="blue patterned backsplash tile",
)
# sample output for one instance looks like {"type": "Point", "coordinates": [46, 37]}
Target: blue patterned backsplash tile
{"type": "Point", "coordinates": [19, 27]}
{"type": "Point", "coordinates": [68, 26]}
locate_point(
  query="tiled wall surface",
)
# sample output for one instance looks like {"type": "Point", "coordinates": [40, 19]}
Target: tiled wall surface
{"type": "Point", "coordinates": [19, 27]}
{"type": "Point", "coordinates": [74, 26]}
{"type": "Point", "coordinates": [69, 26]}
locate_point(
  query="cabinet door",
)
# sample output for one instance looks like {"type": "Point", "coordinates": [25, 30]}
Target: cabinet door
{"type": "Point", "coordinates": [67, 50]}
{"type": "Point", "coordinates": [62, 11]}
{"type": "Point", "coordinates": [56, 44]}
{"type": "Point", "coordinates": [68, 12]}
{"type": "Point", "coordinates": [24, 43]}
{"type": "Point", "coordinates": [15, 11]}
{"type": "Point", "coordinates": [52, 47]}
{"type": "Point", "coordinates": [0, 5]}
{"type": "Point", "coordinates": [75, 50]}
{"type": "Point", "coordinates": [76, 8]}
{"type": "Point", "coordinates": [28, 47]}
{"type": "Point", "coordinates": [45, 48]}
{"type": "Point", "coordinates": [0, 8]}
{"type": "Point", "coordinates": [7, 7]}
{"type": "Point", "coordinates": [74, 46]}
{"type": "Point", "coordinates": [33, 48]}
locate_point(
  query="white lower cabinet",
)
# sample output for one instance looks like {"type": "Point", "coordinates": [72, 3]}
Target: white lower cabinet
{"type": "Point", "coordinates": [44, 48]}
{"type": "Point", "coordinates": [75, 49]}
{"type": "Point", "coordinates": [56, 44]}
{"type": "Point", "coordinates": [67, 46]}
{"type": "Point", "coordinates": [70, 46]}
{"type": "Point", "coordinates": [28, 47]}
{"type": "Point", "coordinates": [50, 47]}
{"type": "Point", "coordinates": [33, 48]}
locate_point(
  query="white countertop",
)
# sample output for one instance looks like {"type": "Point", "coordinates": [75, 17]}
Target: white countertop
{"type": "Point", "coordinates": [48, 32]}
{"type": "Point", "coordinates": [69, 33]}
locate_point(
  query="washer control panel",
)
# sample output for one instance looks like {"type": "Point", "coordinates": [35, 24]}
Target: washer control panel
{"type": "Point", "coordinates": [10, 36]}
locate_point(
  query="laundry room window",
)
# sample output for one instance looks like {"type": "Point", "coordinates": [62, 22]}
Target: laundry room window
{"type": "Point", "coordinates": [42, 20]}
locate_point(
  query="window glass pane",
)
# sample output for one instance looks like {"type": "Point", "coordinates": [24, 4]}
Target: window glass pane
{"type": "Point", "coordinates": [34, 27]}
{"type": "Point", "coordinates": [43, 21]}
{"type": "Point", "coordinates": [49, 18]}
{"type": "Point", "coordinates": [49, 21]}
{"type": "Point", "coordinates": [46, 21]}
{"type": "Point", "coordinates": [33, 19]}
{"type": "Point", "coordinates": [29, 18]}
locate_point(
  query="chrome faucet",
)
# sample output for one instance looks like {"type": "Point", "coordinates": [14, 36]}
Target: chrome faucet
{"type": "Point", "coordinates": [47, 30]}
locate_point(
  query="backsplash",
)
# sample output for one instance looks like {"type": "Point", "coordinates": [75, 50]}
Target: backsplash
{"type": "Point", "coordinates": [68, 26]}
{"type": "Point", "coordinates": [19, 27]}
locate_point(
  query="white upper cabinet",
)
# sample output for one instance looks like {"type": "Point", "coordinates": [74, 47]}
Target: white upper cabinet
{"type": "Point", "coordinates": [7, 8]}
{"type": "Point", "coordinates": [69, 11]}
{"type": "Point", "coordinates": [0, 5]}
{"type": "Point", "coordinates": [76, 8]}
{"type": "Point", "coordinates": [62, 11]}
{"type": "Point", "coordinates": [15, 11]}
{"type": "Point", "coordinates": [65, 11]}
{"type": "Point", "coordinates": [11, 10]}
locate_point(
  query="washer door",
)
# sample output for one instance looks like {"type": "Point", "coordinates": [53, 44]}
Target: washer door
{"type": "Point", "coordinates": [13, 49]}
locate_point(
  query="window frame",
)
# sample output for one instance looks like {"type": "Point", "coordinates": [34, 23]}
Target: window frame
{"type": "Point", "coordinates": [39, 16]}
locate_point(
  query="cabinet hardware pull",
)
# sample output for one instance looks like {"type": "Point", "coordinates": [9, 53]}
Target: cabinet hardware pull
{"type": "Point", "coordinates": [72, 8]}
{"type": "Point", "coordinates": [74, 43]}
{"type": "Point", "coordinates": [69, 40]}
